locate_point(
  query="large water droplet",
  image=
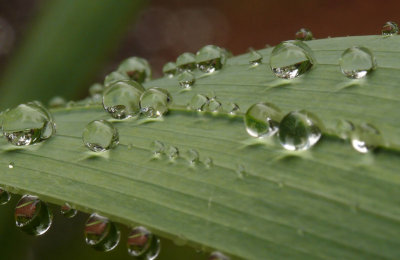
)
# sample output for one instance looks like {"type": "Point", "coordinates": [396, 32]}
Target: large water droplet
{"type": "Point", "coordinates": [122, 98]}
{"type": "Point", "coordinates": [4, 196]}
{"type": "Point", "coordinates": [169, 69]}
{"type": "Point", "coordinates": [114, 77]}
{"type": "Point", "coordinates": [262, 119]}
{"type": "Point", "coordinates": [365, 138]}
{"type": "Point", "coordinates": [143, 243]}
{"type": "Point", "coordinates": [356, 62]}
{"type": "Point", "coordinates": [100, 135]}
{"type": "Point", "coordinates": [173, 152]}
{"type": "Point", "coordinates": [101, 233]}
{"type": "Point", "coordinates": [214, 105]}
{"type": "Point", "coordinates": [154, 102]}
{"type": "Point", "coordinates": [291, 59]}
{"type": "Point", "coordinates": [136, 69]}
{"type": "Point", "coordinates": [186, 62]}
{"type": "Point", "coordinates": [186, 79]}
{"type": "Point", "coordinates": [255, 58]}
{"type": "Point", "coordinates": [28, 124]}
{"type": "Point", "coordinates": [198, 102]}
{"type": "Point", "coordinates": [299, 130]}
{"type": "Point", "coordinates": [390, 28]}
{"type": "Point", "coordinates": [33, 215]}
{"type": "Point", "coordinates": [57, 102]}
{"type": "Point", "coordinates": [210, 58]}
{"type": "Point", "coordinates": [304, 35]}
{"type": "Point", "coordinates": [218, 256]}
{"type": "Point", "coordinates": [68, 211]}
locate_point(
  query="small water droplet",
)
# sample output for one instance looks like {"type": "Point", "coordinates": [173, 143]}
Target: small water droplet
{"type": "Point", "coordinates": [68, 211]}
{"type": "Point", "coordinates": [186, 79]}
{"type": "Point", "coordinates": [101, 233]}
{"type": "Point", "coordinates": [365, 138]}
{"type": "Point", "coordinates": [4, 196]}
{"type": "Point", "coordinates": [173, 152]}
{"type": "Point", "coordinates": [28, 124]}
{"type": "Point", "coordinates": [356, 62]}
{"type": "Point", "coordinates": [198, 102]}
{"type": "Point", "coordinates": [193, 156]}
{"type": "Point", "coordinates": [304, 35]}
{"type": "Point", "coordinates": [210, 58]}
{"type": "Point", "coordinates": [122, 98]}
{"type": "Point", "coordinates": [291, 59]}
{"type": "Point", "coordinates": [344, 128]}
{"type": "Point", "coordinates": [208, 162]}
{"type": "Point", "coordinates": [114, 77]}
{"type": "Point", "coordinates": [255, 58]}
{"type": "Point", "coordinates": [241, 171]}
{"type": "Point", "coordinates": [100, 135]}
{"type": "Point", "coordinates": [11, 165]}
{"type": "Point", "coordinates": [262, 119]}
{"type": "Point", "coordinates": [299, 130]}
{"type": "Point", "coordinates": [214, 105]}
{"type": "Point", "coordinates": [96, 89]}
{"type": "Point", "coordinates": [169, 69]}
{"type": "Point", "coordinates": [137, 69]}
{"type": "Point", "coordinates": [154, 102]}
{"type": "Point", "coordinates": [158, 148]}
{"type": "Point", "coordinates": [143, 243]}
{"type": "Point", "coordinates": [57, 101]}
{"type": "Point", "coordinates": [186, 62]}
{"type": "Point", "coordinates": [390, 28]}
{"type": "Point", "coordinates": [33, 215]}
{"type": "Point", "coordinates": [218, 256]}
{"type": "Point", "coordinates": [130, 146]}
{"type": "Point", "coordinates": [70, 104]}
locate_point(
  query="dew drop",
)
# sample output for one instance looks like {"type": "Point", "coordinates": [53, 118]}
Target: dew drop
{"type": "Point", "coordinates": [218, 256]}
{"type": "Point", "coordinates": [57, 101]}
{"type": "Point", "coordinates": [28, 124]}
{"type": "Point", "coordinates": [193, 156]}
{"type": "Point", "coordinates": [210, 58]}
{"type": "Point", "coordinates": [299, 130]}
{"type": "Point", "coordinates": [365, 138]}
{"type": "Point", "coordinates": [96, 89]}
{"type": "Point", "coordinates": [198, 102]}
{"type": "Point", "coordinates": [173, 152]}
{"type": "Point", "coordinates": [158, 148]}
{"type": "Point", "coordinates": [33, 215]}
{"type": "Point", "coordinates": [186, 62]}
{"type": "Point", "coordinates": [233, 108]}
{"type": "Point", "coordinates": [291, 59]}
{"type": "Point", "coordinates": [122, 99]}
{"type": "Point", "coordinates": [154, 102]}
{"type": "Point", "coordinates": [101, 233]}
{"type": "Point", "coordinates": [262, 119]}
{"type": "Point", "coordinates": [344, 128]}
{"type": "Point", "coordinates": [255, 58]}
{"type": "Point", "coordinates": [208, 162]}
{"type": "Point", "coordinates": [214, 105]}
{"type": "Point", "coordinates": [356, 62]}
{"type": "Point", "coordinates": [390, 28]}
{"type": "Point", "coordinates": [137, 69]}
{"type": "Point", "coordinates": [4, 196]}
{"type": "Point", "coordinates": [11, 165]}
{"type": "Point", "coordinates": [169, 69]}
{"type": "Point", "coordinates": [114, 77]}
{"type": "Point", "coordinates": [143, 243]}
{"type": "Point", "coordinates": [304, 35]}
{"type": "Point", "coordinates": [100, 135]}
{"type": "Point", "coordinates": [186, 79]}
{"type": "Point", "coordinates": [68, 211]}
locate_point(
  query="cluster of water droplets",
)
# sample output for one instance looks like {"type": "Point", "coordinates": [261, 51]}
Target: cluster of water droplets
{"type": "Point", "coordinates": [203, 103]}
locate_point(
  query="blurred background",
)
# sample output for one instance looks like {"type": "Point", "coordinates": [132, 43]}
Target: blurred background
{"type": "Point", "coordinates": [61, 47]}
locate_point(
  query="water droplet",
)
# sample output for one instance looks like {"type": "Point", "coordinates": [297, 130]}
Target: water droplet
{"type": "Point", "coordinates": [262, 119]}
{"type": "Point", "coordinates": [173, 153]}
{"type": "Point", "coordinates": [101, 233]}
{"type": "Point", "coordinates": [158, 148]}
{"type": "Point", "coordinates": [33, 215]}
{"type": "Point", "coordinates": [4, 196]}
{"type": "Point", "coordinates": [344, 128]}
{"type": "Point", "coordinates": [218, 256]}
{"type": "Point", "coordinates": [214, 105]}
{"type": "Point", "coordinates": [193, 156]}
{"type": "Point", "coordinates": [390, 28]}
{"type": "Point", "coordinates": [100, 135]}
{"type": "Point", "coordinates": [208, 162]}
{"type": "Point", "coordinates": [114, 77]}
{"type": "Point", "coordinates": [154, 102]}
{"type": "Point", "coordinates": [143, 243]}
{"type": "Point", "coordinates": [233, 108]}
{"type": "Point", "coordinates": [70, 104]}
{"type": "Point", "coordinates": [11, 165]}
{"type": "Point", "coordinates": [365, 138]}
{"type": "Point", "coordinates": [122, 98]}
{"type": "Point", "coordinates": [169, 69]}
{"type": "Point", "coordinates": [198, 102]}
{"type": "Point", "coordinates": [68, 211]}
{"type": "Point", "coordinates": [241, 171]}
{"type": "Point", "coordinates": [96, 89]}
{"type": "Point", "coordinates": [28, 124]}
{"type": "Point", "coordinates": [186, 62]}
{"type": "Point", "coordinates": [136, 69]}
{"type": "Point", "coordinates": [57, 102]}
{"type": "Point", "coordinates": [304, 35]}
{"type": "Point", "coordinates": [210, 58]}
{"type": "Point", "coordinates": [357, 62]}
{"type": "Point", "coordinates": [255, 58]}
{"type": "Point", "coordinates": [130, 146]}
{"type": "Point", "coordinates": [299, 130]}
{"type": "Point", "coordinates": [291, 59]}
{"type": "Point", "coordinates": [186, 79]}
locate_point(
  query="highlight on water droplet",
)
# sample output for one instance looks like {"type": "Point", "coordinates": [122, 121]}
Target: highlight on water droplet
{"type": "Point", "coordinates": [11, 165]}
{"type": "Point", "coordinates": [158, 148]}
{"type": "Point", "coordinates": [390, 28]}
{"type": "Point", "coordinates": [210, 58]}
{"type": "Point", "coordinates": [4, 196]}
{"type": "Point", "coordinates": [28, 124]}
{"type": "Point", "coordinates": [186, 79]}
{"type": "Point", "coordinates": [173, 152]}
{"type": "Point", "coordinates": [218, 256]}
{"type": "Point", "coordinates": [304, 35]}
{"type": "Point", "coordinates": [121, 99]}
{"type": "Point", "coordinates": [154, 102]}
{"type": "Point", "coordinates": [356, 62]}
{"type": "Point", "coordinates": [198, 102]}
{"type": "Point", "coordinates": [136, 69]}
{"type": "Point", "coordinates": [114, 77]}
{"type": "Point", "coordinates": [33, 215]}
{"type": "Point", "coordinates": [193, 156]}
{"type": "Point", "coordinates": [100, 135]}
{"type": "Point", "coordinates": [299, 130]}
{"type": "Point", "coordinates": [186, 62]}
{"type": "Point", "coordinates": [169, 69]}
{"type": "Point", "coordinates": [68, 211]}
{"type": "Point", "coordinates": [214, 105]}
{"type": "Point", "coordinates": [262, 119]}
{"type": "Point", "coordinates": [143, 243]}
{"type": "Point", "coordinates": [100, 233]}
{"type": "Point", "coordinates": [255, 58]}
{"type": "Point", "coordinates": [291, 59]}
{"type": "Point", "coordinates": [366, 138]}
{"type": "Point", "coordinates": [57, 101]}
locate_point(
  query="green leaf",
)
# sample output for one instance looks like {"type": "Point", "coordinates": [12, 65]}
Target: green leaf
{"type": "Point", "coordinates": [257, 201]}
